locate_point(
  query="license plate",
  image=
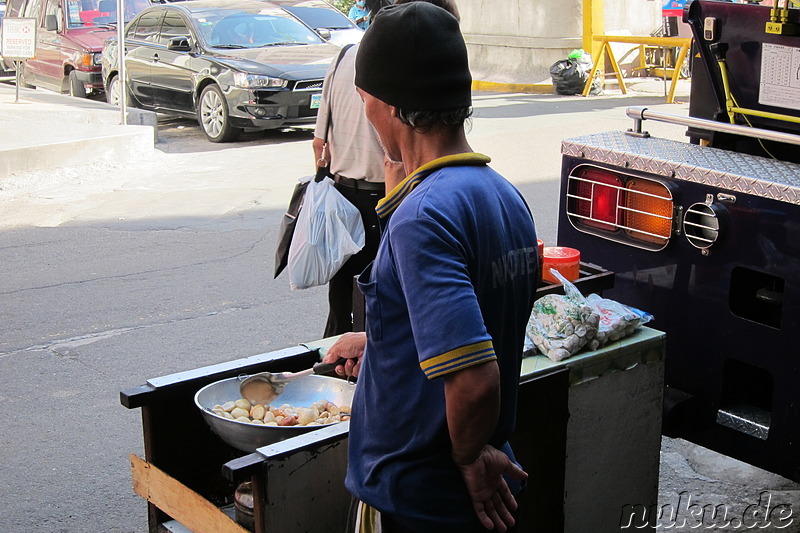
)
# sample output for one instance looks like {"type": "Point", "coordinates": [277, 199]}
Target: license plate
{"type": "Point", "coordinates": [316, 100]}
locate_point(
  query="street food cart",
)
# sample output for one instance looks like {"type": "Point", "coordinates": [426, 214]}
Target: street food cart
{"type": "Point", "coordinates": [588, 433]}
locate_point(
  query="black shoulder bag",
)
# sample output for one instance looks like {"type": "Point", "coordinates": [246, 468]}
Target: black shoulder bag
{"type": "Point", "coordinates": [289, 221]}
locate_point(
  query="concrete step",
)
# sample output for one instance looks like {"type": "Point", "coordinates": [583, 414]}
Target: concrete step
{"type": "Point", "coordinates": [43, 130]}
{"type": "Point", "coordinates": [44, 146]}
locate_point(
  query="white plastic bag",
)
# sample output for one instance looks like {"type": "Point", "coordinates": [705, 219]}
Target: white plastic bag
{"type": "Point", "coordinates": [560, 326]}
{"type": "Point", "coordinates": [329, 230]}
{"type": "Point", "coordinates": [617, 320]}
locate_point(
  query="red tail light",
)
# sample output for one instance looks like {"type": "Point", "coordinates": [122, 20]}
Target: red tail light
{"type": "Point", "coordinates": [621, 207]}
{"type": "Point", "coordinates": [596, 198]}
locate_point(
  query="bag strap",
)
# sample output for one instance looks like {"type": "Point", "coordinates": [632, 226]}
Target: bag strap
{"type": "Point", "coordinates": [329, 122]}
{"type": "Point", "coordinates": [333, 75]}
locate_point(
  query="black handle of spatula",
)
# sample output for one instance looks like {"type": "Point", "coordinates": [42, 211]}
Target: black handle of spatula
{"type": "Point", "coordinates": [327, 368]}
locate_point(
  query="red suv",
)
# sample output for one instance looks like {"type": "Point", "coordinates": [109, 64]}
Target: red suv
{"type": "Point", "coordinates": [70, 41]}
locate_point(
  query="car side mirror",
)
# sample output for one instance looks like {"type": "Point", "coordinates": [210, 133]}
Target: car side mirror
{"type": "Point", "coordinates": [50, 23]}
{"type": "Point", "coordinates": [179, 44]}
{"type": "Point", "coordinates": [324, 33]}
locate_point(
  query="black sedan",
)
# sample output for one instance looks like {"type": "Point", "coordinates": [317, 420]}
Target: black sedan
{"type": "Point", "coordinates": [233, 64]}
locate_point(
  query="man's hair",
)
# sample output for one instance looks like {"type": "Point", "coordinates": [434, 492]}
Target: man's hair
{"type": "Point", "coordinates": [425, 121]}
{"type": "Point", "coordinates": [447, 5]}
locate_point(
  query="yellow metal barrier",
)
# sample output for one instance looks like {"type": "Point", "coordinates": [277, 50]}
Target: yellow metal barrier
{"type": "Point", "coordinates": [605, 46]}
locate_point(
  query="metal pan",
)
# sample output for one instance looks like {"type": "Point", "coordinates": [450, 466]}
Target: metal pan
{"type": "Point", "coordinates": [248, 437]}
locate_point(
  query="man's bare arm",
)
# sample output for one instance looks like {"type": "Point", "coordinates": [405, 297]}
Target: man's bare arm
{"type": "Point", "coordinates": [473, 409]}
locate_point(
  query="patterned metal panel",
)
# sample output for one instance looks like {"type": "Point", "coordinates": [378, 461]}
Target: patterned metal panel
{"type": "Point", "coordinates": [749, 174]}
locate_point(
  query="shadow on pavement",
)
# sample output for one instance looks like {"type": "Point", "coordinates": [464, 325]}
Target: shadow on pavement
{"type": "Point", "coordinates": [183, 135]}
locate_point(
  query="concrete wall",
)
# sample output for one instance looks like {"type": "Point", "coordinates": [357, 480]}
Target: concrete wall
{"type": "Point", "coordinates": [516, 41]}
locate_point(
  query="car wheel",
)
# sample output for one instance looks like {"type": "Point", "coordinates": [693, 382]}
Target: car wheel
{"type": "Point", "coordinates": [212, 113]}
{"type": "Point", "coordinates": [113, 92]}
{"type": "Point", "coordinates": [76, 87]}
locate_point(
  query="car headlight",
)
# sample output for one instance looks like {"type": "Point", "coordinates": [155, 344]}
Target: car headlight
{"type": "Point", "coordinates": [253, 81]}
{"type": "Point", "coordinates": [92, 59]}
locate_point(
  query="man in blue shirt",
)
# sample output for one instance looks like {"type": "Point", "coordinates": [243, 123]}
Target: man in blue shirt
{"type": "Point", "coordinates": [359, 14]}
{"type": "Point", "coordinates": [447, 297]}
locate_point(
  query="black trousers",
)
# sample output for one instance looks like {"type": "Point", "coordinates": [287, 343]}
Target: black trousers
{"type": "Point", "coordinates": [340, 288]}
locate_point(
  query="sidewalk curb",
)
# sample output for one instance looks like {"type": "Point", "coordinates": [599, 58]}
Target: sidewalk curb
{"type": "Point", "coordinates": [528, 88]}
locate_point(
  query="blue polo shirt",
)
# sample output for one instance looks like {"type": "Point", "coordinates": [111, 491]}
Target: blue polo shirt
{"type": "Point", "coordinates": [356, 13]}
{"type": "Point", "coordinates": [452, 286]}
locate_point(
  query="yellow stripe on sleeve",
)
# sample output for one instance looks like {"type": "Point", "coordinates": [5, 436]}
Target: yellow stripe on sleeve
{"type": "Point", "coordinates": [460, 358]}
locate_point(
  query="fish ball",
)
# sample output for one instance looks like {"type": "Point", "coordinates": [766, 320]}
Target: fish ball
{"type": "Point", "coordinates": [238, 412]}
{"type": "Point", "coordinates": [243, 403]}
{"type": "Point", "coordinates": [257, 412]}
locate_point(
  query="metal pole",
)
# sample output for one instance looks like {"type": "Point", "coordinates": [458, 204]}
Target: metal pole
{"type": "Point", "coordinates": [121, 61]}
{"type": "Point", "coordinates": [638, 114]}
{"type": "Point", "coordinates": [16, 99]}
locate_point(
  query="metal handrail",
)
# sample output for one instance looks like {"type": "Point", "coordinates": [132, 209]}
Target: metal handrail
{"type": "Point", "coordinates": [639, 114]}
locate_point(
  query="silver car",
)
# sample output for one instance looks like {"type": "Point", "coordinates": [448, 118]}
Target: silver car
{"type": "Point", "coordinates": [330, 23]}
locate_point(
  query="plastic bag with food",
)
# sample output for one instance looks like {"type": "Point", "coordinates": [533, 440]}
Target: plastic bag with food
{"type": "Point", "coordinates": [617, 320]}
{"type": "Point", "coordinates": [559, 325]}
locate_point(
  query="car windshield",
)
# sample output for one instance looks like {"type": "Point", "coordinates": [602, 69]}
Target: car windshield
{"type": "Point", "coordinates": [239, 29]}
{"type": "Point", "coordinates": [320, 17]}
{"type": "Point", "coordinates": [100, 13]}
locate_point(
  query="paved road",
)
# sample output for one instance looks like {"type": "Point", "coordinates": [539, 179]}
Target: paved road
{"type": "Point", "coordinates": [113, 274]}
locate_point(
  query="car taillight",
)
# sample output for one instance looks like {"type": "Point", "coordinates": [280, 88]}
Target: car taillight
{"type": "Point", "coordinates": [596, 197]}
{"type": "Point", "coordinates": [648, 211]}
{"type": "Point", "coordinates": [620, 207]}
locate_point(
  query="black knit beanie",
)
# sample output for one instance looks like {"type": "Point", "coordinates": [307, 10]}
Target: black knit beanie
{"type": "Point", "coordinates": [413, 56]}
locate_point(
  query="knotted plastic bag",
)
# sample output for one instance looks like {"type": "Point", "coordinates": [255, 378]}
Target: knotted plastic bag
{"type": "Point", "coordinates": [617, 320]}
{"type": "Point", "coordinates": [329, 230]}
{"type": "Point", "coordinates": [559, 325]}
{"type": "Point", "coordinates": [570, 75]}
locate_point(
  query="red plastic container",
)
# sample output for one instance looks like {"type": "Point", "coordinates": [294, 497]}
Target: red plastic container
{"type": "Point", "coordinates": [566, 260]}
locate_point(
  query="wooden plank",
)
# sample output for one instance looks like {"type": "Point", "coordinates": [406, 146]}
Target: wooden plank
{"type": "Point", "coordinates": [178, 501]}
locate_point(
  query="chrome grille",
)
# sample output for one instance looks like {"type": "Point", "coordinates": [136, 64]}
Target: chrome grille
{"type": "Point", "coordinates": [701, 225]}
{"type": "Point", "coordinates": [308, 85]}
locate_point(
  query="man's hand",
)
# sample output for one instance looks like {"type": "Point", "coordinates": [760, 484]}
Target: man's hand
{"type": "Point", "coordinates": [491, 497]}
{"type": "Point", "coordinates": [351, 347]}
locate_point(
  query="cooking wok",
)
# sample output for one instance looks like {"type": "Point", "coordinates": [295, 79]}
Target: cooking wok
{"type": "Point", "coordinates": [248, 437]}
